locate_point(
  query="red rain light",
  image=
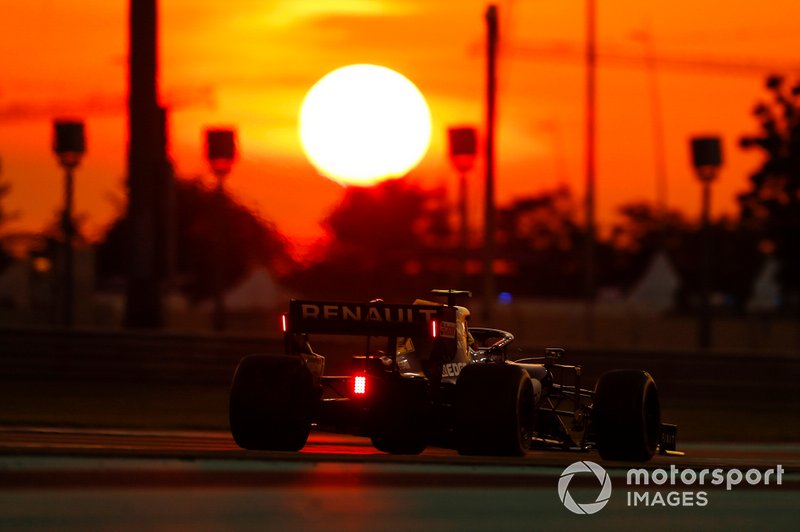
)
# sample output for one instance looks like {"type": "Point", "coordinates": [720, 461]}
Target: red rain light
{"type": "Point", "coordinates": [434, 328]}
{"type": "Point", "coordinates": [284, 325]}
{"type": "Point", "coordinates": [360, 385]}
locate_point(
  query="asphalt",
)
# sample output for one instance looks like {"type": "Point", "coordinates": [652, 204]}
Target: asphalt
{"type": "Point", "coordinates": [102, 479]}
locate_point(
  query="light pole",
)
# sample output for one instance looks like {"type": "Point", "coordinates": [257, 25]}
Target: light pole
{"type": "Point", "coordinates": [220, 154]}
{"type": "Point", "coordinates": [706, 159]}
{"type": "Point", "coordinates": [69, 145]}
{"type": "Point", "coordinates": [463, 151]}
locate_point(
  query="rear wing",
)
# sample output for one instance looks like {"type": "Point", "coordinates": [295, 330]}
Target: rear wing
{"type": "Point", "coordinates": [365, 319]}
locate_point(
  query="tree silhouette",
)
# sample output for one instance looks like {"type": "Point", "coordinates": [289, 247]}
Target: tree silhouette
{"type": "Point", "coordinates": [383, 241]}
{"type": "Point", "coordinates": [5, 257]}
{"type": "Point", "coordinates": [540, 235]}
{"type": "Point", "coordinates": [772, 205]}
{"type": "Point", "coordinates": [643, 231]}
{"type": "Point", "coordinates": [646, 229]}
{"type": "Point", "coordinates": [248, 242]}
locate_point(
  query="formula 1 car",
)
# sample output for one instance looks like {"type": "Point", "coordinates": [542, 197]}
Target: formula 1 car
{"type": "Point", "coordinates": [425, 377]}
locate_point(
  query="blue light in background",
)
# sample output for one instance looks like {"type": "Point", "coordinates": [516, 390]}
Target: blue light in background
{"type": "Point", "coordinates": [504, 298]}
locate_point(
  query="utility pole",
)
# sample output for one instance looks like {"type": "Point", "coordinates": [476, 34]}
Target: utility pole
{"type": "Point", "coordinates": [659, 145]}
{"type": "Point", "coordinates": [590, 279]}
{"type": "Point", "coordinates": [489, 222]}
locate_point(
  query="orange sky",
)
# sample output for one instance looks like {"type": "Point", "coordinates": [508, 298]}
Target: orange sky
{"type": "Point", "coordinates": [249, 63]}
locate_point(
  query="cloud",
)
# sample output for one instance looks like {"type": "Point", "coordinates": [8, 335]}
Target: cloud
{"type": "Point", "coordinates": [91, 105]}
{"type": "Point", "coordinates": [288, 14]}
{"type": "Point", "coordinates": [101, 104]}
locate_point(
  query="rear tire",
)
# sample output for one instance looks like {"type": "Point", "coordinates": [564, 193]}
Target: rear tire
{"type": "Point", "coordinates": [626, 416]}
{"type": "Point", "coordinates": [400, 417]}
{"type": "Point", "coordinates": [272, 400]}
{"type": "Point", "coordinates": [494, 410]}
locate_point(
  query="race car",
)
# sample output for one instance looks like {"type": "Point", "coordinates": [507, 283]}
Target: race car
{"type": "Point", "coordinates": [423, 376]}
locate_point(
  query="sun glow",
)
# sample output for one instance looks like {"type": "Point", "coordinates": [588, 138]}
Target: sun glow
{"type": "Point", "coordinates": [362, 124]}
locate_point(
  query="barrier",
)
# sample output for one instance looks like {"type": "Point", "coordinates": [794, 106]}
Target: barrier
{"type": "Point", "coordinates": [212, 358]}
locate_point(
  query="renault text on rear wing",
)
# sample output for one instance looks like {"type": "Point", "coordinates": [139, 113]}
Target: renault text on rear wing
{"type": "Point", "coordinates": [373, 319]}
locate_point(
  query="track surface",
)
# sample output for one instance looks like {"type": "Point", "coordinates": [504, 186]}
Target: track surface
{"type": "Point", "coordinates": [78, 479]}
{"type": "Point", "coordinates": [328, 447]}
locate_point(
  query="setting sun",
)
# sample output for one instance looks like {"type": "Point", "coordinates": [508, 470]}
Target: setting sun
{"type": "Point", "coordinates": [362, 124]}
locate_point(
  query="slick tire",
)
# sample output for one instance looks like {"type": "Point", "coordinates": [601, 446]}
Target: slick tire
{"type": "Point", "coordinates": [400, 422]}
{"type": "Point", "coordinates": [494, 410]}
{"type": "Point", "coordinates": [272, 401]}
{"type": "Point", "coordinates": [626, 415]}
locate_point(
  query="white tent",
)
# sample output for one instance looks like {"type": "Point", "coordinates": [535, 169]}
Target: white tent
{"type": "Point", "coordinates": [257, 291]}
{"type": "Point", "coordinates": [655, 291]}
{"type": "Point", "coordinates": [766, 292]}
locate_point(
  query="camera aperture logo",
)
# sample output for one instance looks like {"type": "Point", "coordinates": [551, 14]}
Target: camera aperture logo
{"type": "Point", "coordinates": [602, 497]}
